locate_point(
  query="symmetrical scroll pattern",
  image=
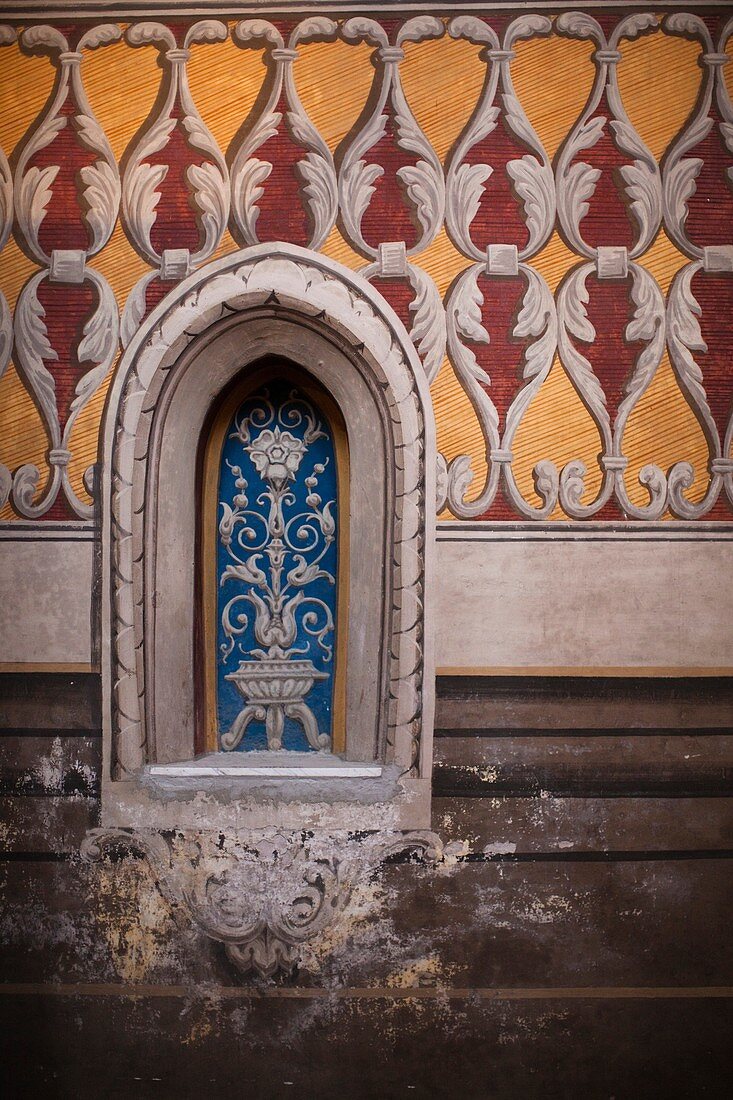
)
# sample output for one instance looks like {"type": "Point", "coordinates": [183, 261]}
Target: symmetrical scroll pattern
{"type": "Point", "coordinates": [386, 193]}
{"type": "Point", "coordinates": [277, 573]}
{"type": "Point", "coordinates": [264, 896]}
{"type": "Point", "coordinates": [500, 211]}
{"type": "Point", "coordinates": [67, 151]}
{"type": "Point", "coordinates": [698, 173]}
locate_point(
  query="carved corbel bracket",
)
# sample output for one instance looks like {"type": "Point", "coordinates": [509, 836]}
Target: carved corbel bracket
{"type": "Point", "coordinates": [263, 895]}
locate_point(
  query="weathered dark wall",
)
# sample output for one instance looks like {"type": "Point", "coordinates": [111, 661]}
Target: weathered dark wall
{"type": "Point", "coordinates": [582, 946]}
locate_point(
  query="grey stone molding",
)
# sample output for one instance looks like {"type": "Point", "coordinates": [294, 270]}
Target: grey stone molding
{"type": "Point", "coordinates": [289, 301]}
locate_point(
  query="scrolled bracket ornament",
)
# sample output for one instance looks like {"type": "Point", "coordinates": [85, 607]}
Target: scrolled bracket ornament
{"type": "Point", "coordinates": [284, 117]}
{"type": "Point", "coordinates": [264, 896]}
{"type": "Point", "coordinates": [536, 325]}
{"type": "Point", "coordinates": [605, 115]}
{"type": "Point", "coordinates": [647, 326]}
{"type": "Point", "coordinates": [421, 177]}
{"type": "Point", "coordinates": [529, 175]}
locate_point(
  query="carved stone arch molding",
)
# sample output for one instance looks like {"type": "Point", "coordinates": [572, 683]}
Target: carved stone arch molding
{"type": "Point", "coordinates": [287, 301]}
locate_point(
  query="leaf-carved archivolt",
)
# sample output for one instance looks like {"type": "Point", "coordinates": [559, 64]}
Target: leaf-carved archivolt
{"type": "Point", "coordinates": [306, 285]}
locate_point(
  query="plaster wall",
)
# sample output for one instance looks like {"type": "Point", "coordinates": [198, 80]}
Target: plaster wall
{"type": "Point", "coordinates": [548, 601]}
{"type": "Point", "coordinates": [45, 600]}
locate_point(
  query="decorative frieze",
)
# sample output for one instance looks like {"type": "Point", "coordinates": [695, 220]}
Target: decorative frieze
{"type": "Point", "coordinates": [390, 196]}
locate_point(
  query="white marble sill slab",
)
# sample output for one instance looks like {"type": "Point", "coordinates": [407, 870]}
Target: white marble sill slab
{"type": "Point", "coordinates": [266, 765]}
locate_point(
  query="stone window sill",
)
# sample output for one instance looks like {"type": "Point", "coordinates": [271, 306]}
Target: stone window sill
{"type": "Point", "coordinates": [266, 765]}
{"type": "Point", "coordinates": [283, 776]}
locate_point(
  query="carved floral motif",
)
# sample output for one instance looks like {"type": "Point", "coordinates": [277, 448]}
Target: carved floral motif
{"type": "Point", "coordinates": [263, 895]}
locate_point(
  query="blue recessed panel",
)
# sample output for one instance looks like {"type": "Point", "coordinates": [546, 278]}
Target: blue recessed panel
{"type": "Point", "coordinates": [276, 574]}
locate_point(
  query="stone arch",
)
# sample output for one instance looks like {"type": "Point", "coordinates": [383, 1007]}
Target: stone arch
{"type": "Point", "coordinates": [264, 295]}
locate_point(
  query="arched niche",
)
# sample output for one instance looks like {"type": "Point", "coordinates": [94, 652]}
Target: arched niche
{"type": "Point", "coordinates": [220, 329]}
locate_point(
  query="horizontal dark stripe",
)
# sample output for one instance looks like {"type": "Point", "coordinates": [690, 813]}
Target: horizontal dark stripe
{"type": "Point", "coordinates": [49, 731]}
{"type": "Point", "coordinates": [633, 789]}
{"type": "Point", "coordinates": [74, 788]}
{"type": "Point", "coordinates": [647, 855]}
{"type": "Point", "coordinates": [439, 991]}
{"type": "Point", "coordinates": [656, 855]}
{"type": "Point", "coordinates": [668, 688]}
{"type": "Point", "coordinates": [611, 731]}
{"type": "Point", "coordinates": [37, 857]}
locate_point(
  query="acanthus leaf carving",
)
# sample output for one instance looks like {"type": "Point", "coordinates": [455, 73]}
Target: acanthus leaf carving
{"type": "Point", "coordinates": [315, 168]}
{"type": "Point", "coordinates": [206, 177]}
{"type": "Point", "coordinates": [135, 308]}
{"type": "Point", "coordinates": [428, 331]}
{"type": "Point", "coordinates": [576, 182]}
{"type": "Point", "coordinates": [421, 181]}
{"type": "Point", "coordinates": [99, 346]}
{"type": "Point", "coordinates": [7, 37]}
{"type": "Point", "coordinates": [531, 173]}
{"type": "Point", "coordinates": [684, 338]}
{"type": "Point", "coordinates": [100, 194]}
{"type": "Point", "coordinates": [102, 199]}
{"type": "Point", "coordinates": [646, 325]}
{"type": "Point", "coordinates": [681, 171]}
{"type": "Point", "coordinates": [536, 323]}
{"type": "Point", "coordinates": [33, 347]}
{"type": "Point", "coordinates": [265, 896]}
{"type": "Point", "coordinates": [6, 333]}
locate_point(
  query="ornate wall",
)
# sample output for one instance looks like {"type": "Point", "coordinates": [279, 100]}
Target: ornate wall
{"type": "Point", "coordinates": [542, 200]}
{"type": "Point", "coordinates": [545, 200]}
